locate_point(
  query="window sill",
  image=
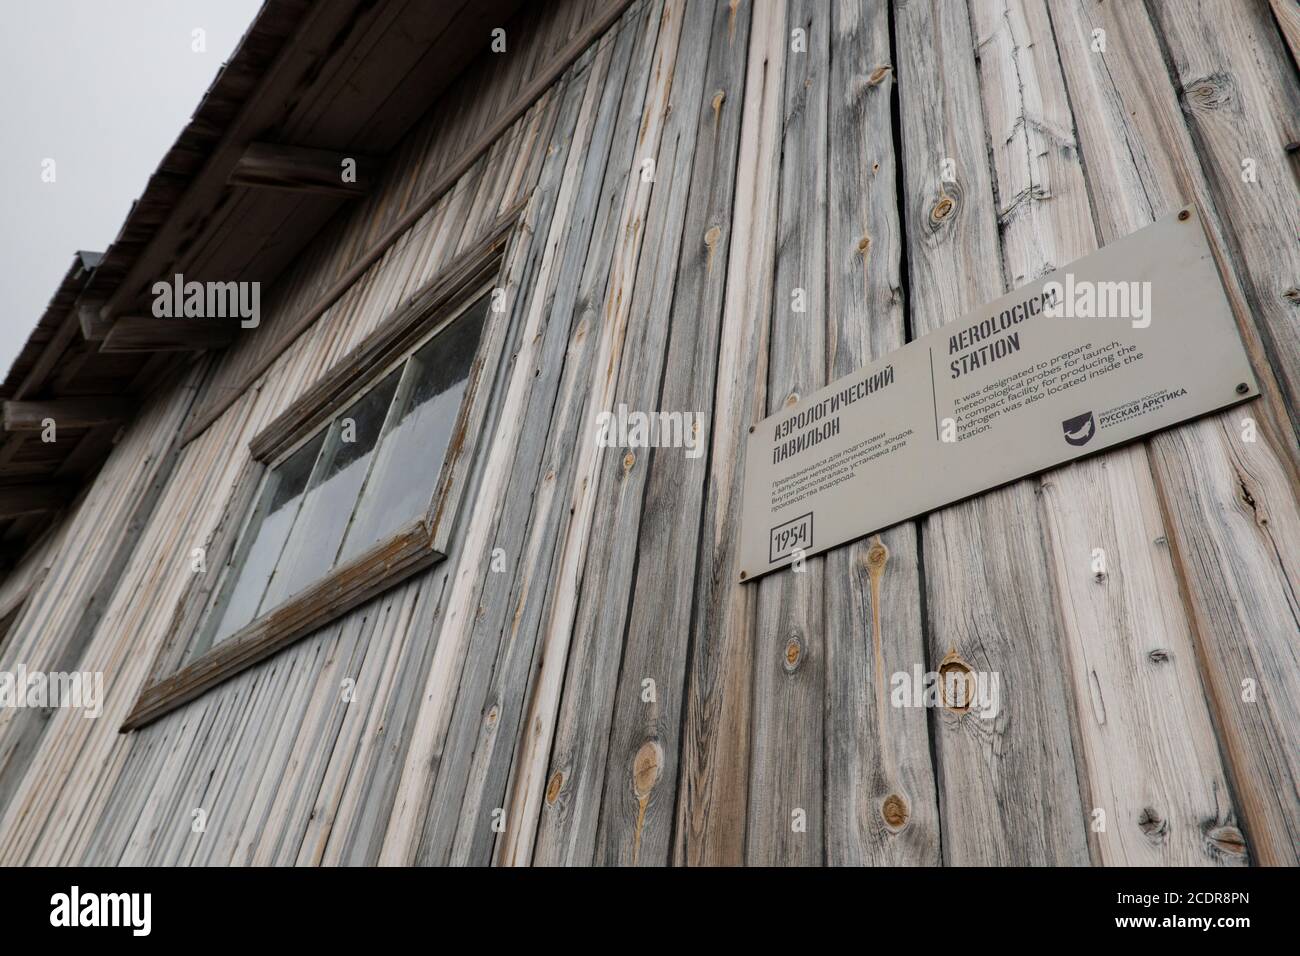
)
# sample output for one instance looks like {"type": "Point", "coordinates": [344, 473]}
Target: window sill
{"type": "Point", "coordinates": [356, 582]}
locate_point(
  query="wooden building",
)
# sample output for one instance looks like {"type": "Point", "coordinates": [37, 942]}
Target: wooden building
{"type": "Point", "coordinates": [363, 587]}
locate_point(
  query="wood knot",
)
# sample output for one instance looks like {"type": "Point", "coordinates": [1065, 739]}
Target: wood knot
{"type": "Point", "coordinates": [711, 237]}
{"type": "Point", "coordinates": [1158, 656]}
{"type": "Point", "coordinates": [628, 461]}
{"type": "Point", "coordinates": [1226, 841]}
{"type": "Point", "coordinates": [877, 556]}
{"type": "Point", "coordinates": [863, 245]}
{"type": "Point", "coordinates": [956, 682]}
{"type": "Point", "coordinates": [718, 97]}
{"type": "Point", "coordinates": [1153, 826]}
{"type": "Point", "coordinates": [879, 74]}
{"type": "Point", "coordinates": [646, 768]}
{"type": "Point", "coordinates": [492, 716]}
{"type": "Point", "coordinates": [793, 653]}
{"type": "Point", "coordinates": [792, 399]}
{"type": "Point", "coordinates": [1292, 295]}
{"type": "Point", "coordinates": [941, 210]}
{"type": "Point", "coordinates": [553, 787]}
{"type": "Point", "coordinates": [1213, 92]}
{"type": "Point", "coordinates": [894, 810]}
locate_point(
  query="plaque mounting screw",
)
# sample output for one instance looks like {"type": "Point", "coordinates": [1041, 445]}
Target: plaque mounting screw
{"type": "Point", "coordinates": [1184, 216]}
{"type": "Point", "coordinates": [1243, 388]}
{"type": "Point", "coordinates": [743, 575]}
{"type": "Point", "coordinates": [751, 429]}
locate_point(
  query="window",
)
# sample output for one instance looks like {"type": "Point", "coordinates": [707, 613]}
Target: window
{"type": "Point", "coordinates": [349, 491]}
{"type": "Point", "coordinates": [351, 484]}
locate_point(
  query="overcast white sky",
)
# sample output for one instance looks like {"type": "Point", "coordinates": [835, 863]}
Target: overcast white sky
{"type": "Point", "coordinates": [102, 87]}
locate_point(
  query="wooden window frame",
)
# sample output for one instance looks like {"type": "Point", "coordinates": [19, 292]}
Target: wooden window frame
{"type": "Point", "coordinates": [424, 541]}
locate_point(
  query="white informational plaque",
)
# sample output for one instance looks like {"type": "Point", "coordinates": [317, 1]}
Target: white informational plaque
{"type": "Point", "coordinates": [1136, 337]}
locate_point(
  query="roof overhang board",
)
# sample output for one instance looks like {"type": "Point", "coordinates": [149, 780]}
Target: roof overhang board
{"type": "Point", "coordinates": [80, 412]}
{"type": "Point", "coordinates": [349, 83]}
{"type": "Point", "coordinates": [133, 333]}
{"type": "Point", "coordinates": [297, 168]}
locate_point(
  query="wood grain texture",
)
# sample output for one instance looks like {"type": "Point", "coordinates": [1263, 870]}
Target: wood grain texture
{"type": "Point", "coordinates": [135, 333]}
{"type": "Point", "coordinates": [1242, 109]}
{"type": "Point", "coordinates": [60, 823]}
{"type": "Point", "coordinates": [786, 797]}
{"type": "Point", "coordinates": [528, 769]}
{"type": "Point", "coordinates": [581, 786]}
{"type": "Point", "coordinates": [496, 707]}
{"type": "Point", "coordinates": [1150, 760]}
{"type": "Point", "coordinates": [881, 806]}
{"type": "Point", "coordinates": [712, 801]}
{"type": "Point", "coordinates": [533, 274]}
{"type": "Point", "coordinates": [474, 782]}
{"type": "Point", "coordinates": [280, 166]}
{"type": "Point", "coordinates": [1008, 789]}
{"type": "Point", "coordinates": [1287, 15]}
{"type": "Point", "coordinates": [80, 412]}
{"type": "Point", "coordinates": [1229, 504]}
{"type": "Point", "coordinates": [449, 175]}
{"type": "Point", "coordinates": [636, 826]}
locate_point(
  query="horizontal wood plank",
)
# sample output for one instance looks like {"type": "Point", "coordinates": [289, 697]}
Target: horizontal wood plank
{"type": "Point", "coordinates": [80, 412]}
{"type": "Point", "coordinates": [343, 589]}
{"type": "Point", "coordinates": [132, 333]}
{"type": "Point", "coordinates": [298, 168]}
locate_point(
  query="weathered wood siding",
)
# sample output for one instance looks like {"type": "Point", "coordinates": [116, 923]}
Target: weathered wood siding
{"type": "Point", "coordinates": [615, 695]}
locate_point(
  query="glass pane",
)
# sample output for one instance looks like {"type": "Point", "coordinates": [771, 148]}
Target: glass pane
{"type": "Point", "coordinates": [338, 478]}
{"type": "Point", "coordinates": [413, 448]}
{"type": "Point", "coordinates": [268, 529]}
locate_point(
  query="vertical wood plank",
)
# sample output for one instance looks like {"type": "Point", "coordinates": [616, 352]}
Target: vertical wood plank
{"type": "Point", "coordinates": [785, 823]}
{"type": "Point", "coordinates": [470, 795]}
{"type": "Point", "coordinates": [1241, 102]}
{"type": "Point", "coordinates": [713, 783]}
{"type": "Point", "coordinates": [881, 804]}
{"type": "Point", "coordinates": [537, 263]}
{"type": "Point", "coordinates": [635, 825]}
{"type": "Point", "coordinates": [576, 778]}
{"type": "Point", "coordinates": [528, 771]}
{"type": "Point", "coordinates": [1008, 793]}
